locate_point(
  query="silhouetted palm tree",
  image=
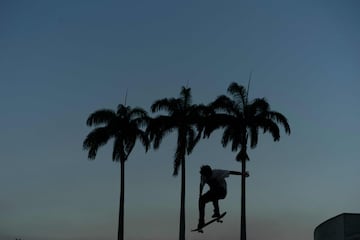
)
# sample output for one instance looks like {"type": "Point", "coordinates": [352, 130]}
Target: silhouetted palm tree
{"type": "Point", "coordinates": [124, 126]}
{"type": "Point", "coordinates": [182, 117]}
{"type": "Point", "coordinates": [242, 121]}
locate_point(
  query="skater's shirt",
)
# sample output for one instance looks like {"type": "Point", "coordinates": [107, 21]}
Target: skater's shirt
{"type": "Point", "coordinates": [217, 179]}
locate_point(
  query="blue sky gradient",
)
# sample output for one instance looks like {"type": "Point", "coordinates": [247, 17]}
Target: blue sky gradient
{"type": "Point", "coordinates": [62, 60]}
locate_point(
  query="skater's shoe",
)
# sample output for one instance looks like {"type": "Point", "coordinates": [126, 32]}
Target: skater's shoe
{"type": "Point", "coordinates": [216, 215]}
{"type": "Point", "coordinates": [201, 223]}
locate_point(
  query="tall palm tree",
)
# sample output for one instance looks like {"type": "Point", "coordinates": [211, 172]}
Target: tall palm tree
{"type": "Point", "coordinates": [183, 117]}
{"type": "Point", "coordinates": [125, 127]}
{"type": "Point", "coordinates": [241, 121]}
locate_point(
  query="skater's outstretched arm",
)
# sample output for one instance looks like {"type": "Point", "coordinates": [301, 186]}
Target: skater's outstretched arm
{"type": "Point", "coordinates": [238, 173]}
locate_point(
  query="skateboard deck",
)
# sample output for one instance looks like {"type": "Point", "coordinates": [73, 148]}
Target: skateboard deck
{"type": "Point", "coordinates": [218, 219]}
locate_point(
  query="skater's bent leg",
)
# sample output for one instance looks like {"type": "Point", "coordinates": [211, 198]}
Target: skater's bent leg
{"type": "Point", "coordinates": [202, 202]}
{"type": "Point", "coordinates": [216, 208]}
{"type": "Point", "coordinates": [219, 194]}
{"type": "Point", "coordinates": [201, 208]}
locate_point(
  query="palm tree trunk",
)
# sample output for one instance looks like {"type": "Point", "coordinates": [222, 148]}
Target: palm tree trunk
{"type": "Point", "coordinates": [243, 213]}
{"type": "Point", "coordinates": [182, 207]}
{"type": "Point", "coordinates": [121, 207]}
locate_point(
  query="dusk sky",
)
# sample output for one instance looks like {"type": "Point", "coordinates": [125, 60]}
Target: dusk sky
{"type": "Point", "coordinates": [62, 60]}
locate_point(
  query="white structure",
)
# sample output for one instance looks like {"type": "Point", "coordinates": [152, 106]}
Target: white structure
{"type": "Point", "coordinates": [345, 226]}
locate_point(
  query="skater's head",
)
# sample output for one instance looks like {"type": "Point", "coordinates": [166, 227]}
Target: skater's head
{"type": "Point", "coordinates": [206, 171]}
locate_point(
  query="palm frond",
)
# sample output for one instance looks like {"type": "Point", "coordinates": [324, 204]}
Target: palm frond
{"type": "Point", "coordinates": [197, 116]}
{"type": "Point", "coordinates": [227, 136]}
{"type": "Point", "coordinates": [254, 134]}
{"type": "Point", "coordinates": [236, 141]}
{"type": "Point", "coordinates": [141, 122]}
{"type": "Point", "coordinates": [238, 92]}
{"type": "Point", "coordinates": [95, 139]}
{"type": "Point", "coordinates": [169, 105]}
{"type": "Point", "coordinates": [138, 113]}
{"type": "Point", "coordinates": [160, 124]}
{"type": "Point", "coordinates": [103, 116]}
{"type": "Point", "coordinates": [269, 125]}
{"type": "Point", "coordinates": [129, 143]}
{"type": "Point", "coordinates": [143, 137]}
{"type": "Point", "coordinates": [157, 133]}
{"type": "Point", "coordinates": [158, 137]}
{"type": "Point", "coordinates": [223, 104]}
{"type": "Point", "coordinates": [279, 118]}
{"type": "Point", "coordinates": [259, 105]}
{"type": "Point", "coordinates": [215, 121]}
{"type": "Point", "coordinates": [193, 138]}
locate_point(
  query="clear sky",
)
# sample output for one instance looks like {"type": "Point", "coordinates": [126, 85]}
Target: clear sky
{"type": "Point", "coordinates": [62, 60]}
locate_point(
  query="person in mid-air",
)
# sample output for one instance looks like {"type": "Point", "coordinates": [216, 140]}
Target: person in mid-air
{"type": "Point", "coordinates": [215, 178]}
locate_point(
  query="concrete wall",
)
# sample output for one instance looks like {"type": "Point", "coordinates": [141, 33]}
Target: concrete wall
{"type": "Point", "coordinates": [352, 227]}
{"type": "Point", "coordinates": [345, 226]}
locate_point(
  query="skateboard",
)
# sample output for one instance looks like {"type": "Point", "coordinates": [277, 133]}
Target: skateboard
{"type": "Point", "coordinates": [218, 219]}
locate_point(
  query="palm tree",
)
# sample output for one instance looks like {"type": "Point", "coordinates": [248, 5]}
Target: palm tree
{"type": "Point", "coordinates": [124, 126]}
{"type": "Point", "coordinates": [182, 117]}
{"type": "Point", "coordinates": [241, 121]}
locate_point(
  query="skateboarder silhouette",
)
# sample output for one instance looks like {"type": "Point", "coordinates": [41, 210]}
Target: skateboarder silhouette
{"type": "Point", "coordinates": [215, 178]}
